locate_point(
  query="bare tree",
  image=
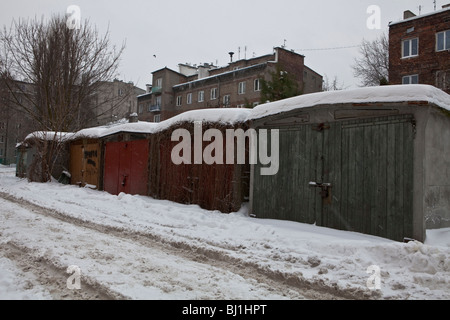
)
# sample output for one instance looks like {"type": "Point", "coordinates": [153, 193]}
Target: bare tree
{"type": "Point", "coordinates": [373, 65]}
{"type": "Point", "coordinates": [332, 85]}
{"type": "Point", "coordinates": [64, 67]}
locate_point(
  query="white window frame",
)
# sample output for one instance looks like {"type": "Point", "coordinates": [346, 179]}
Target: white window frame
{"type": "Point", "coordinates": [179, 101]}
{"type": "Point", "coordinates": [226, 100]}
{"type": "Point", "coordinates": [410, 42]}
{"type": "Point", "coordinates": [446, 44]}
{"type": "Point", "coordinates": [410, 78]}
{"type": "Point", "coordinates": [159, 82]}
{"type": "Point", "coordinates": [158, 101]}
{"type": "Point", "coordinates": [241, 87]}
{"type": "Point", "coordinates": [157, 118]}
{"type": "Point", "coordinates": [141, 108]}
{"type": "Point", "coordinates": [189, 98]}
{"type": "Point", "coordinates": [201, 96]}
{"type": "Point", "coordinates": [213, 93]}
{"type": "Point", "coordinates": [257, 85]}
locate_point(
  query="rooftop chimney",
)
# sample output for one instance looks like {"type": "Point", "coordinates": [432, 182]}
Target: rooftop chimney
{"type": "Point", "coordinates": [133, 118]}
{"type": "Point", "coordinates": [408, 14]}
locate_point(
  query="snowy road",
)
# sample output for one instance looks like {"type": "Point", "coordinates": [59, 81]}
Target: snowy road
{"type": "Point", "coordinates": [118, 258]}
{"type": "Point", "coordinates": [133, 247]}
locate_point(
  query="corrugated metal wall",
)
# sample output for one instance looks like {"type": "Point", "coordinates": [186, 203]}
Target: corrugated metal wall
{"type": "Point", "coordinates": [222, 187]}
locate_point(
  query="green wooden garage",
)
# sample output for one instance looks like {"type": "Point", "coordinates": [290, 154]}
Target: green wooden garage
{"type": "Point", "coordinates": [372, 160]}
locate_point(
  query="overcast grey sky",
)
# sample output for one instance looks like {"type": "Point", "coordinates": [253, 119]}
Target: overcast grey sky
{"type": "Point", "coordinates": [204, 31]}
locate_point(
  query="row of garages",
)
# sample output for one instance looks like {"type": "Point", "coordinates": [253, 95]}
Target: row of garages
{"type": "Point", "coordinates": [373, 160]}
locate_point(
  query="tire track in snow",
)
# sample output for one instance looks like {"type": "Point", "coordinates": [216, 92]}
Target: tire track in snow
{"type": "Point", "coordinates": [283, 283]}
{"type": "Point", "coordinates": [52, 277]}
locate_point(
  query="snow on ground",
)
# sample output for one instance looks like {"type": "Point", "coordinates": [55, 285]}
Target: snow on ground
{"type": "Point", "coordinates": [289, 252]}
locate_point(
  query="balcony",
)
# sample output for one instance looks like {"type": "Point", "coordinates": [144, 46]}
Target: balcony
{"type": "Point", "coordinates": [156, 90]}
{"type": "Point", "coordinates": [155, 108]}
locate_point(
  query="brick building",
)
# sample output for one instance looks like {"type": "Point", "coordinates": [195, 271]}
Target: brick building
{"type": "Point", "coordinates": [236, 85]}
{"type": "Point", "coordinates": [112, 101]}
{"type": "Point", "coordinates": [14, 125]}
{"type": "Point", "coordinates": [419, 49]}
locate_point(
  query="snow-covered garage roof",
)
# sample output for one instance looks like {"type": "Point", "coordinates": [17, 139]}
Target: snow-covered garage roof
{"type": "Point", "coordinates": [227, 116]}
{"type": "Point", "coordinates": [381, 94]}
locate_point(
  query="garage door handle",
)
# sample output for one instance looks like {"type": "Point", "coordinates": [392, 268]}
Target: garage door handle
{"type": "Point", "coordinates": [320, 184]}
{"type": "Point", "coordinates": [325, 192]}
{"type": "Point", "coordinates": [124, 181]}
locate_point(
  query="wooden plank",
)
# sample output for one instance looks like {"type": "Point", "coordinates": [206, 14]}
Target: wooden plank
{"type": "Point", "coordinates": [358, 182]}
{"type": "Point", "coordinates": [408, 173]}
{"type": "Point", "coordinates": [333, 166]}
{"type": "Point", "coordinates": [393, 189]}
{"type": "Point", "coordinates": [368, 180]}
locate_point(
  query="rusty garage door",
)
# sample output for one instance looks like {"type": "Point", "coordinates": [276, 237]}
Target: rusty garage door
{"type": "Point", "coordinates": [352, 175]}
{"type": "Point", "coordinates": [85, 164]}
{"type": "Point", "coordinates": [126, 167]}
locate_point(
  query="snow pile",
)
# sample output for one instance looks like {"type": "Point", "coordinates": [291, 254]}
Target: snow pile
{"type": "Point", "coordinates": [50, 136]}
{"type": "Point", "coordinates": [225, 116]}
{"type": "Point", "coordinates": [301, 254]}
{"type": "Point", "coordinates": [394, 93]}
{"type": "Point", "coordinates": [98, 132]}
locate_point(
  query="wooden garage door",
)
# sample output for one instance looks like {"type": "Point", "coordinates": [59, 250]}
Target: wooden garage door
{"type": "Point", "coordinates": [368, 163]}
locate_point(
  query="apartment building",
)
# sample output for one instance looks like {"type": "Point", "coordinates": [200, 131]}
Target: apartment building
{"type": "Point", "coordinates": [14, 125]}
{"type": "Point", "coordinates": [112, 101]}
{"type": "Point", "coordinates": [236, 85]}
{"type": "Point", "coordinates": [419, 49]}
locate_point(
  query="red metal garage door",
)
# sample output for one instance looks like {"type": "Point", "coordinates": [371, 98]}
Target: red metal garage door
{"type": "Point", "coordinates": [126, 167]}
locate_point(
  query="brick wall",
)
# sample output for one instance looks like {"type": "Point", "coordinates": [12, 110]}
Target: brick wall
{"type": "Point", "coordinates": [431, 66]}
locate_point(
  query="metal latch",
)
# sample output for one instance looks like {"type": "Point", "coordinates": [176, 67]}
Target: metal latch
{"type": "Point", "coordinates": [325, 189]}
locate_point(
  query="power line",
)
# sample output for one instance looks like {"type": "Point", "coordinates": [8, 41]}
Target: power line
{"type": "Point", "coordinates": [324, 49]}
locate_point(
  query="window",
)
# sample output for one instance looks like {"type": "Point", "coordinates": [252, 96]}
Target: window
{"type": "Point", "coordinates": [157, 118]}
{"type": "Point", "coordinates": [213, 93]}
{"type": "Point", "coordinates": [120, 92]}
{"type": "Point", "coordinates": [158, 101]}
{"type": "Point", "coordinates": [159, 82]}
{"type": "Point", "coordinates": [443, 41]}
{"type": "Point", "coordinates": [141, 108]}
{"type": "Point", "coordinates": [149, 107]}
{"type": "Point", "coordinates": [1, 152]}
{"type": "Point", "coordinates": [257, 85]}
{"type": "Point", "coordinates": [201, 96]}
{"type": "Point", "coordinates": [226, 100]}
{"type": "Point", "coordinates": [189, 98]}
{"type": "Point", "coordinates": [2, 139]}
{"type": "Point", "coordinates": [412, 79]}
{"type": "Point", "coordinates": [241, 89]}
{"type": "Point", "coordinates": [410, 48]}
{"type": "Point", "coordinates": [179, 101]}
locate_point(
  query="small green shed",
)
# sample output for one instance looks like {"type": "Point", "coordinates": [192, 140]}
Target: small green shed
{"type": "Point", "coordinates": [370, 160]}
